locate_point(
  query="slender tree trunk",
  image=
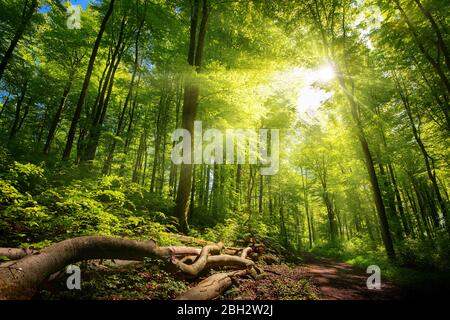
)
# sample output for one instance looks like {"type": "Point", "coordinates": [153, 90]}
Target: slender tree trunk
{"type": "Point", "coordinates": [389, 198]}
{"type": "Point", "coordinates": [431, 174]}
{"type": "Point", "coordinates": [27, 13]}
{"type": "Point", "coordinates": [173, 167]}
{"type": "Point", "coordinates": [250, 186]}
{"type": "Point", "coordinates": [158, 130]}
{"type": "Point", "coordinates": [24, 116]}
{"type": "Point", "coordinates": [435, 64]}
{"type": "Point", "coordinates": [191, 96]}
{"type": "Point", "coordinates": [99, 112]}
{"type": "Point", "coordinates": [261, 189]}
{"type": "Point", "coordinates": [283, 229]}
{"type": "Point", "coordinates": [381, 211]}
{"type": "Point", "coordinates": [192, 200]}
{"type": "Point", "coordinates": [208, 181]}
{"type": "Point", "coordinates": [87, 80]}
{"type": "Point", "coordinates": [399, 201]}
{"type": "Point", "coordinates": [306, 204]}
{"type": "Point", "coordinates": [238, 187]}
{"type": "Point", "coordinates": [440, 39]}
{"type": "Point", "coordinates": [162, 174]}
{"type": "Point", "coordinates": [15, 126]}
{"type": "Point", "coordinates": [110, 158]}
{"type": "Point", "coordinates": [59, 111]}
{"type": "Point", "coordinates": [5, 103]}
{"type": "Point", "coordinates": [129, 132]}
{"type": "Point", "coordinates": [422, 210]}
{"type": "Point", "coordinates": [140, 157]}
{"type": "Point", "coordinates": [413, 206]}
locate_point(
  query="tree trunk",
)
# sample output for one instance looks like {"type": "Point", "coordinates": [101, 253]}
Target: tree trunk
{"type": "Point", "coordinates": [27, 14]}
{"type": "Point", "coordinates": [87, 80]}
{"type": "Point", "coordinates": [261, 189]}
{"type": "Point", "coordinates": [5, 104]}
{"type": "Point", "coordinates": [99, 111]}
{"type": "Point", "coordinates": [191, 96]}
{"type": "Point", "coordinates": [306, 204]}
{"type": "Point", "coordinates": [440, 39]}
{"type": "Point", "coordinates": [435, 64]}
{"type": "Point", "coordinates": [431, 174]}
{"type": "Point", "coordinates": [59, 111]}
{"type": "Point", "coordinates": [15, 126]}
{"type": "Point", "coordinates": [381, 211]}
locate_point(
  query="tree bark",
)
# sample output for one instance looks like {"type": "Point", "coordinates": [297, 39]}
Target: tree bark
{"type": "Point", "coordinates": [87, 80]}
{"type": "Point", "coordinates": [440, 39]}
{"type": "Point", "coordinates": [191, 96]}
{"type": "Point", "coordinates": [435, 64]}
{"type": "Point", "coordinates": [15, 126]}
{"type": "Point", "coordinates": [431, 174]}
{"type": "Point", "coordinates": [59, 111]}
{"type": "Point", "coordinates": [99, 111]}
{"type": "Point", "coordinates": [109, 160]}
{"type": "Point", "coordinates": [27, 14]}
{"type": "Point", "coordinates": [212, 287]}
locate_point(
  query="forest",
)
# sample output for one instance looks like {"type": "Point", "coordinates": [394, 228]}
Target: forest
{"type": "Point", "coordinates": [224, 149]}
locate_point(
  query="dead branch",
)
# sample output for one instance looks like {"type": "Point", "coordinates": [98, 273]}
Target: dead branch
{"type": "Point", "coordinates": [212, 287]}
{"type": "Point", "coordinates": [195, 268]}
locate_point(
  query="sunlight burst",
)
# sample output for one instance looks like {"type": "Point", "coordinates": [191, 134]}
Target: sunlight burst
{"type": "Point", "coordinates": [326, 73]}
{"type": "Point", "coordinates": [310, 98]}
{"type": "Point", "coordinates": [323, 74]}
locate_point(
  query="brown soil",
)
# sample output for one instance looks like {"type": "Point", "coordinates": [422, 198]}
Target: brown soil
{"type": "Point", "coordinates": [340, 281]}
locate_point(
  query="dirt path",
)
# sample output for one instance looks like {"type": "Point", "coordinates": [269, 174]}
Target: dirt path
{"type": "Point", "coordinates": [340, 281]}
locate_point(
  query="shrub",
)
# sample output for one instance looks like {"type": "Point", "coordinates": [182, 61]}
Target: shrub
{"type": "Point", "coordinates": [27, 177]}
{"type": "Point", "coordinates": [8, 193]}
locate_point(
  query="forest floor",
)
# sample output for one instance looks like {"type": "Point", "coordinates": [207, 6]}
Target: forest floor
{"type": "Point", "coordinates": [340, 281]}
{"type": "Point", "coordinates": [315, 278]}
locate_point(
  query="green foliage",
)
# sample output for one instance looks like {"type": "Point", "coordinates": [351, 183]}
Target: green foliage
{"type": "Point", "coordinates": [228, 232]}
{"type": "Point", "coordinates": [426, 255]}
{"type": "Point", "coordinates": [234, 230]}
{"type": "Point", "coordinates": [135, 282]}
{"type": "Point", "coordinates": [27, 177]}
{"type": "Point", "coordinates": [8, 193]}
{"type": "Point", "coordinates": [93, 206]}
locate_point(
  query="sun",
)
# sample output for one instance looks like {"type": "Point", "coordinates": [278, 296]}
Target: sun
{"type": "Point", "coordinates": [310, 97]}
{"type": "Point", "coordinates": [323, 74]}
{"type": "Point", "coordinates": [326, 73]}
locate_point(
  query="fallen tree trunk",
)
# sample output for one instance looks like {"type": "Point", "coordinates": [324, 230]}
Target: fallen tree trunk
{"type": "Point", "coordinates": [212, 287]}
{"type": "Point", "coordinates": [20, 279]}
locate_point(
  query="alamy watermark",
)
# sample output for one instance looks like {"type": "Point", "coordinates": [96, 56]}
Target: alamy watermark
{"type": "Point", "coordinates": [374, 281]}
{"type": "Point", "coordinates": [232, 146]}
{"type": "Point", "coordinates": [74, 280]}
